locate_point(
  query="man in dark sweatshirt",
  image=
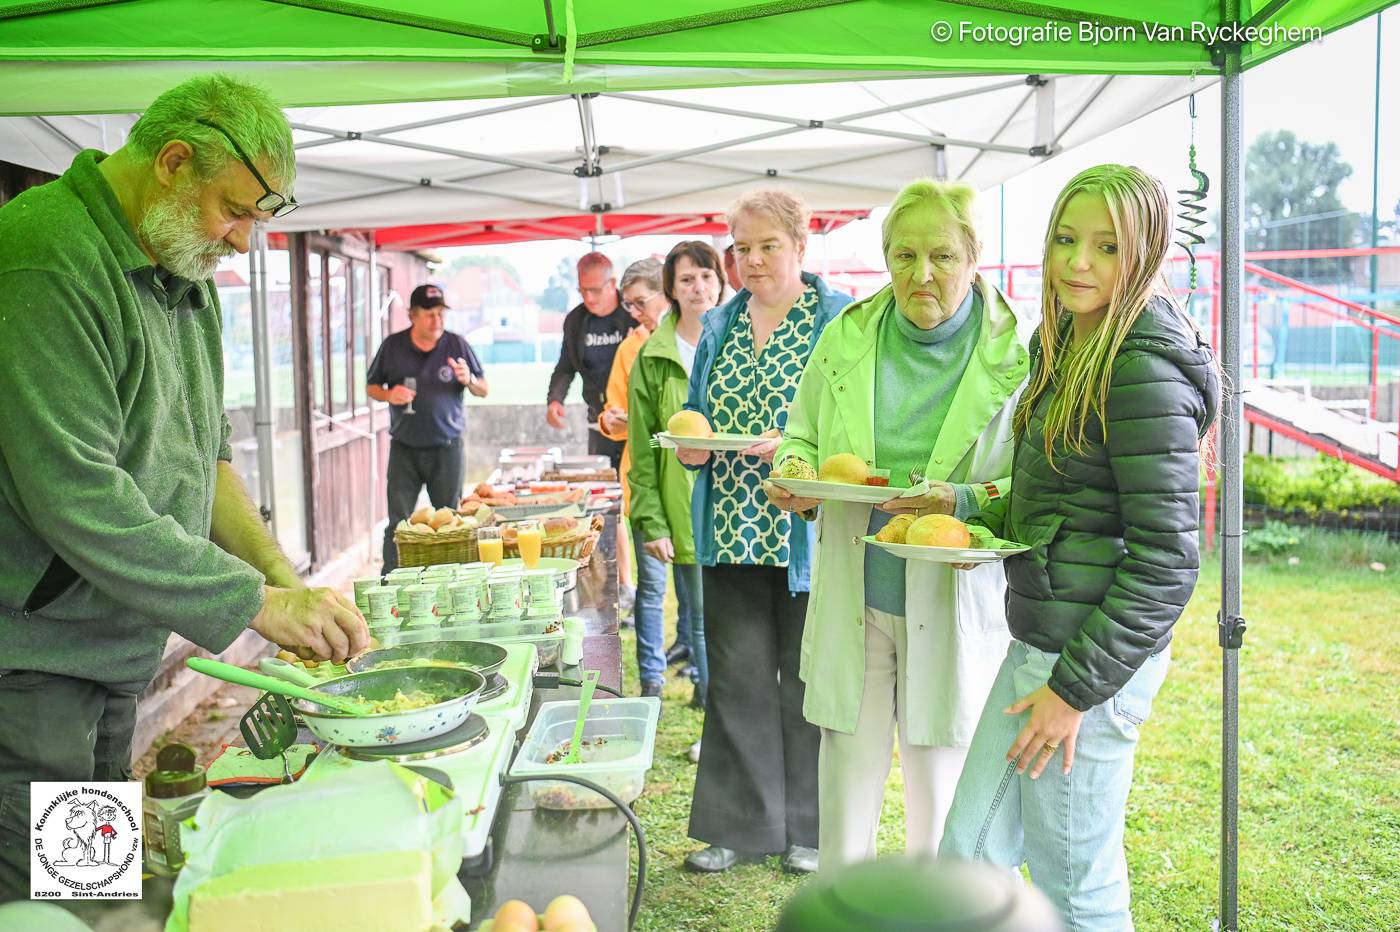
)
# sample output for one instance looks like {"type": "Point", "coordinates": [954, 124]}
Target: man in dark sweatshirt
{"type": "Point", "coordinates": [121, 517]}
{"type": "Point", "coordinates": [592, 332]}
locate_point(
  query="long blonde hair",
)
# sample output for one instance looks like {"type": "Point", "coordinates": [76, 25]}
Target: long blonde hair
{"type": "Point", "coordinates": [1080, 374]}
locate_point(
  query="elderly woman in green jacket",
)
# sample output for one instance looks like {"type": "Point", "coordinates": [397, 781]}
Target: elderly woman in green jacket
{"type": "Point", "coordinates": [920, 378]}
{"type": "Point", "coordinates": [657, 388]}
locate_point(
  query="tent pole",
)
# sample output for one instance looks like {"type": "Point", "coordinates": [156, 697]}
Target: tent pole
{"type": "Point", "coordinates": [262, 377]}
{"type": "Point", "coordinates": [1376, 167]}
{"type": "Point", "coordinates": [1230, 624]}
{"type": "Point", "coordinates": [372, 312]}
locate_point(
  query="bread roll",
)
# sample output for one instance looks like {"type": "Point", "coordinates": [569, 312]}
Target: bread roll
{"type": "Point", "coordinates": [559, 527]}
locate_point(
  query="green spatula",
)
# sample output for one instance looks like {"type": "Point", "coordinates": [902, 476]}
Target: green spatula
{"type": "Point", "coordinates": [231, 674]}
{"type": "Point", "coordinates": [590, 681]}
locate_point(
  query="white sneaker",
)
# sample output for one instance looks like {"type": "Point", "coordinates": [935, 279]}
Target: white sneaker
{"type": "Point", "coordinates": [694, 753]}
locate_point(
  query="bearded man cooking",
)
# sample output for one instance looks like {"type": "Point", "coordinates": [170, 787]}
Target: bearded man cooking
{"type": "Point", "coordinates": [121, 516]}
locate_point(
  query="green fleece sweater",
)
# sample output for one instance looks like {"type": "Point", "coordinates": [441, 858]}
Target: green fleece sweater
{"type": "Point", "coordinates": [111, 427]}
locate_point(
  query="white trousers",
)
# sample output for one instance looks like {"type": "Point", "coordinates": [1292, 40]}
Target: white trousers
{"type": "Point", "coordinates": [852, 769]}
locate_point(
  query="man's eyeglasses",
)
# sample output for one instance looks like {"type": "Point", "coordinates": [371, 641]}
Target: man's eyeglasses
{"type": "Point", "coordinates": [636, 306]}
{"type": "Point", "coordinates": [274, 203]}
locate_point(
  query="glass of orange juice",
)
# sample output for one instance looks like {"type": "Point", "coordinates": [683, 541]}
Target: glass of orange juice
{"type": "Point", "coordinates": [529, 536]}
{"type": "Point", "coordinates": [489, 547]}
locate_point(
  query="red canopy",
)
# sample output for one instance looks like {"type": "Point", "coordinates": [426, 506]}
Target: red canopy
{"type": "Point", "coordinates": [579, 226]}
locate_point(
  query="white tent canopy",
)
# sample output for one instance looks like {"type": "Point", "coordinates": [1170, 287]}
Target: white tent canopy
{"type": "Point", "coordinates": [845, 145]}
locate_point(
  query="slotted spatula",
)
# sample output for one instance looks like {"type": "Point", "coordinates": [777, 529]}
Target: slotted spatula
{"type": "Point", "coordinates": [269, 727]}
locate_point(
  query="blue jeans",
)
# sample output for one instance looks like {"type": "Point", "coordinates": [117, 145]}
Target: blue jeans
{"type": "Point", "coordinates": [1067, 829]}
{"type": "Point", "coordinates": [690, 621]}
{"type": "Point", "coordinates": [649, 612]}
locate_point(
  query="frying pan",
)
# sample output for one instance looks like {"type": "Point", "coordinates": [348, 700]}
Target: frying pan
{"type": "Point", "coordinates": [471, 655]}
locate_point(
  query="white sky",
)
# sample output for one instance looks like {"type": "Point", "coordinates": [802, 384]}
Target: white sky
{"type": "Point", "coordinates": [1322, 92]}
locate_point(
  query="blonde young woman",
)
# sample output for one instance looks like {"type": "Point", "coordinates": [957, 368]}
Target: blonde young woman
{"type": "Point", "coordinates": [921, 377]}
{"type": "Point", "coordinates": [1104, 488]}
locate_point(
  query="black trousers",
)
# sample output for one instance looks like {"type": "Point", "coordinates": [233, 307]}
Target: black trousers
{"type": "Point", "coordinates": [411, 468]}
{"type": "Point", "coordinates": [53, 728]}
{"type": "Point", "coordinates": [756, 789]}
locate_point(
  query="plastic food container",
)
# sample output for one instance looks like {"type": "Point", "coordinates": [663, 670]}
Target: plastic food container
{"type": "Point", "coordinates": [619, 737]}
{"type": "Point", "coordinates": [546, 634]}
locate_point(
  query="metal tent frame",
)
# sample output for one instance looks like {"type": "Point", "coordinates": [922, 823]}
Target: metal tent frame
{"type": "Point", "coordinates": [592, 167]}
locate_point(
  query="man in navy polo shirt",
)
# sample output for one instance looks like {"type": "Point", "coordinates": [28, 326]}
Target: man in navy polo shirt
{"type": "Point", "coordinates": [426, 442]}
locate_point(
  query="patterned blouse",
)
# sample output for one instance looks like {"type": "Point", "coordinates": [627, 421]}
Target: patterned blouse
{"type": "Point", "coordinates": [749, 394]}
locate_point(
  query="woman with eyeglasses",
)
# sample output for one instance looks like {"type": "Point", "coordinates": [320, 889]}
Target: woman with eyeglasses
{"type": "Point", "coordinates": [644, 300]}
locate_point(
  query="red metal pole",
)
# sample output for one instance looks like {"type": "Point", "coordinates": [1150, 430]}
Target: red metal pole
{"type": "Point", "coordinates": [1254, 323]}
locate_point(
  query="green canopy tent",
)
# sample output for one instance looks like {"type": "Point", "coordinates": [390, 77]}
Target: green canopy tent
{"type": "Point", "coordinates": [64, 56]}
{"type": "Point", "coordinates": [113, 56]}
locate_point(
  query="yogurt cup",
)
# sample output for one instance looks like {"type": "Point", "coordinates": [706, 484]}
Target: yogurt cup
{"type": "Point", "coordinates": [541, 586]}
{"type": "Point", "coordinates": [422, 600]}
{"type": "Point", "coordinates": [363, 585]}
{"type": "Point", "coordinates": [463, 597]}
{"type": "Point", "coordinates": [383, 601]}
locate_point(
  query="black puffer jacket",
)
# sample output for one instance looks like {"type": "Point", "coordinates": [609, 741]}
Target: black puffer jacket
{"type": "Point", "coordinates": [1114, 553]}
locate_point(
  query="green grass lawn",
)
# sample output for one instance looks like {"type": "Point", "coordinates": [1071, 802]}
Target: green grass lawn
{"type": "Point", "coordinates": [1319, 746]}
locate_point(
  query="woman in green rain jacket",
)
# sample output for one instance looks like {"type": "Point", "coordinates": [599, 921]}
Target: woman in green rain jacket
{"type": "Point", "coordinates": [921, 377]}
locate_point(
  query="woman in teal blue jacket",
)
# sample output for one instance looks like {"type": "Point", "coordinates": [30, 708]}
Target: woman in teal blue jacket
{"type": "Point", "coordinates": [756, 792]}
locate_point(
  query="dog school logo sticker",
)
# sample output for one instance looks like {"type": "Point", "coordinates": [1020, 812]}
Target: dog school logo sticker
{"type": "Point", "coordinates": [85, 841]}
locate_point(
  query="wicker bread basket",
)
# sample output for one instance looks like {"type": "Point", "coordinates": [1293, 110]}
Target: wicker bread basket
{"type": "Point", "coordinates": [576, 545]}
{"type": "Point", "coordinates": [457, 545]}
{"type": "Point", "coordinates": [419, 549]}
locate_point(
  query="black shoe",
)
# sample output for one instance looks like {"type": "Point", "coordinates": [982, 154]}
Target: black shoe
{"type": "Point", "coordinates": [651, 689]}
{"type": "Point", "coordinates": [715, 860]}
{"type": "Point", "coordinates": [688, 673]}
{"type": "Point", "coordinates": [676, 653]}
{"type": "Point", "coordinates": [799, 859]}
{"type": "Point", "coordinates": [696, 700]}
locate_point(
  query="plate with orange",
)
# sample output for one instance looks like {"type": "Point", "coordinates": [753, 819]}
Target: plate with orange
{"type": "Point", "coordinates": [941, 539]}
{"type": "Point", "coordinates": [691, 430]}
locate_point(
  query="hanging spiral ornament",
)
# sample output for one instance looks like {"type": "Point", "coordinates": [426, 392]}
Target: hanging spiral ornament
{"type": "Point", "coordinates": [1193, 208]}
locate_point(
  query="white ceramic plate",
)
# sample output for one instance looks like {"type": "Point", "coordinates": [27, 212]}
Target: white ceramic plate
{"type": "Point", "coordinates": [947, 554]}
{"type": "Point", "coordinates": [844, 491]}
{"type": "Point", "coordinates": [718, 442]}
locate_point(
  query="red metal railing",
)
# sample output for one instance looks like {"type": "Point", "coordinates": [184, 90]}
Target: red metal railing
{"type": "Point", "coordinates": [1021, 283]}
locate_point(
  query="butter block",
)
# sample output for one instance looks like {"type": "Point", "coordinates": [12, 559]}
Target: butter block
{"type": "Point", "coordinates": [386, 891]}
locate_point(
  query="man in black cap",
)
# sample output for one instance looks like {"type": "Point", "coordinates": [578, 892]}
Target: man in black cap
{"type": "Point", "coordinates": [425, 415]}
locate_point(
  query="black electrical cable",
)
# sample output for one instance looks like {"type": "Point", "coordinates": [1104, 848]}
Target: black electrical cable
{"type": "Point", "coordinates": [549, 680]}
{"type": "Point", "coordinates": [598, 686]}
{"type": "Point", "coordinates": [636, 907]}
